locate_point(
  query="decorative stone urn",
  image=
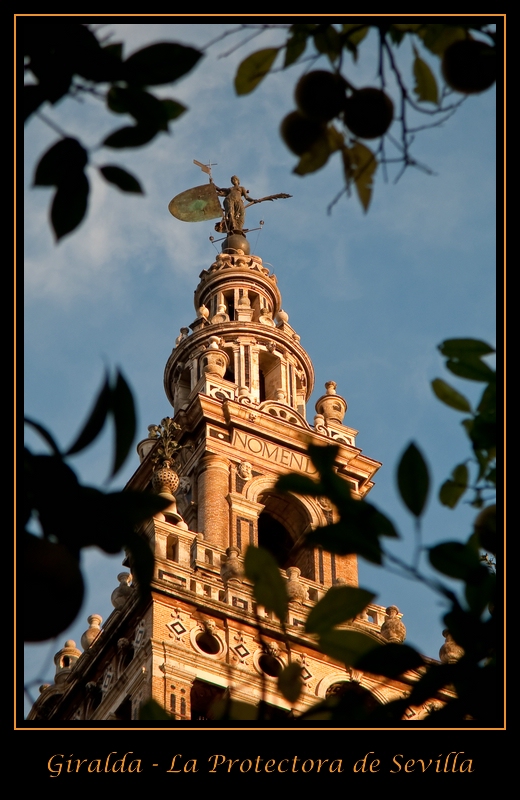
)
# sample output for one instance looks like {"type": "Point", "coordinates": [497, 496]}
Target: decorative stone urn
{"type": "Point", "coordinates": [92, 632]}
{"type": "Point", "coordinates": [331, 405]}
{"type": "Point", "coordinates": [122, 592]}
{"type": "Point", "coordinates": [213, 360]}
{"type": "Point", "coordinates": [296, 591]}
{"type": "Point", "coordinates": [450, 651]}
{"type": "Point", "coordinates": [232, 568]}
{"type": "Point", "coordinates": [393, 629]}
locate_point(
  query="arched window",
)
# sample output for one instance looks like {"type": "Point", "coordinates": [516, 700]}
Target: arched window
{"type": "Point", "coordinates": [281, 525]}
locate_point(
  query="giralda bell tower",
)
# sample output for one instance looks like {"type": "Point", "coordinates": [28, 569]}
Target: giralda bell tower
{"type": "Point", "coordinates": [238, 380]}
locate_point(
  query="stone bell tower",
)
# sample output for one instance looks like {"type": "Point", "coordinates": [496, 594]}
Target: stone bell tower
{"type": "Point", "coordinates": [238, 380]}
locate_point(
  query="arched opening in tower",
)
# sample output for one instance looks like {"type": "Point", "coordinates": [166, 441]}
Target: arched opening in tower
{"type": "Point", "coordinates": [281, 526]}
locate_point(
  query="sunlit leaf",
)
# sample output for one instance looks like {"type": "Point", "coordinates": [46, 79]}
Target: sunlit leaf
{"type": "Point", "coordinates": [160, 63]}
{"type": "Point", "coordinates": [346, 646]}
{"type": "Point", "coordinates": [447, 394]}
{"type": "Point", "coordinates": [452, 490]}
{"type": "Point", "coordinates": [425, 84]}
{"type": "Point", "coordinates": [268, 585]}
{"type": "Point", "coordinates": [437, 37]}
{"type": "Point", "coordinates": [391, 660]}
{"type": "Point", "coordinates": [290, 682]}
{"type": "Point", "coordinates": [363, 165]}
{"type": "Point", "coordinates": [69, 205]}
{"type": "Point", "coordinates": [121, 178]}
{"type": "Point", "coordinates": [341, 603]}
{"type": "Point", "coordinates": [413, 480]}
{"type": "Point", "coordinates": [315, 158]}
{"type": "Point", "coordinates": [253, 69]}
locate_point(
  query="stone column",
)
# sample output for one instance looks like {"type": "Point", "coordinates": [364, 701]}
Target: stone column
{"type": "Point", "coordinates": [213, 507]}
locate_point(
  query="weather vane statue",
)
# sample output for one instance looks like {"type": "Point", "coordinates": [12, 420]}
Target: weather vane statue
{"type": "Point", "coordinates": [202, 203]}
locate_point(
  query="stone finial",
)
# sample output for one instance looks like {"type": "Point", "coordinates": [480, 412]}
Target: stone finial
{"type": "Point", "coordinates": [65, 660]}
{"type": "Point", "coordinates": [231, 569]}
{"type": "Point", "coordinates": [203, 311]}
{"type": "Point", "coordinates": [296, 591]}
{"type": "Point", "coordinates": [392, 629]}
{"type": "Point", "coordinates": [182, 335]}
{"type": "Point", "coordinates": [331, 406]}
{"type": "Point", "coordinates": [281, 316]}
{"type": "Point", "coordinates": [450, 651]}
{"type": "Point", "coordinates": [92, 632]}
{"type": "Point", "coordinates": [213, 360]}
{"type": "Point", "coordinates": [122, 592]}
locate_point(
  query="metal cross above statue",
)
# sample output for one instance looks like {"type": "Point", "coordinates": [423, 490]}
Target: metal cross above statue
{"type": "Point", "coordinates": [202, 203]}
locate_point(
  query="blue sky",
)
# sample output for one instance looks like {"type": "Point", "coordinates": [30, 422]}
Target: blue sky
{"type": "Point", "coordinates": [371, 295]}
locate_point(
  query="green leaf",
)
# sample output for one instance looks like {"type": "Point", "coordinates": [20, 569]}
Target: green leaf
{"type": "Point", "coordinates": [452, 490]}
{"type": "Point", "coordinates": [157, 64]}
{"type": "Point", "coordinates": [151, 710]}
{"type": "Point", "coordinates": [487, 406]}
{"type": "Point", "coordinates": [173, 109]}
{"type": "Point", "coordinates": [391, 660]}
{"type": "Point", "coordinates": [123, 410]}
{"type": "Point", "coordinates": [121, 178]}
{"type": "Point", "coordinates": [143, 106]}
{"type": "Point", "coordinates": [328, 41]}
{"type": "Point", "coordinates": [425, 84]}
{"type": "Point", "coordinates": [363, 165]}
{"type": "Point", "coordinates": [33, 97]}
{"type": "Point", "coordinates": [142, 562]}
{"type": "Point", "coordinates": [341, 603]}
{"type": "Point", "coordinates": [61, 163]}
{"type": "Point", "coordinates": [413, 480]}
{"type": "Point", "coordinates": [268, 585]}
{"type": "Point", "coordinates": [132, 136]}
{"type": "Point", "coordinates": [294, 48]}
{"type": "Point", "coordinates": [253, 69]}
{"type": "Point", "coordinates": [299, 484]}
{"type": "Point", "coordinates": [227, 709]}
{"type": "Point", "coordinates": [95, 421]}
{"type": "Point", "coordinates": [290, 682]}
{"type": "Point", "coordinates": [471, 368]}
{"type": "Point", "coordinates": [437, 37]}
{"type": "Point", "coordinates": [346, 646]}
{"type": "Point", "coordinates": [69, 205]}
{"type": "Point", "coordinates": [448, 395]}
{"type": "Point", "coordinates": [460, 348]}
{"type": "Point", "coordinates": [454, 559]}
{"type": "Point", "coordinates": [315, 158]}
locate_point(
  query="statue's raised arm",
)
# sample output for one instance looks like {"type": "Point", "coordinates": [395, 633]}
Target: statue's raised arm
{"type": "Point", "coordinates": [202, 202]}
{"type": "Point", "coordinates": [236, 200]}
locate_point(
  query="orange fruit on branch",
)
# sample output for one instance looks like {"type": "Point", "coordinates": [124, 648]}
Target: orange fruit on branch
{"type": "Point", "coordinates": [469, 66]}
{"type": "Point", "coordinates": [368, 112]}
{"type": "Point", "coordinates": [320, 95]}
